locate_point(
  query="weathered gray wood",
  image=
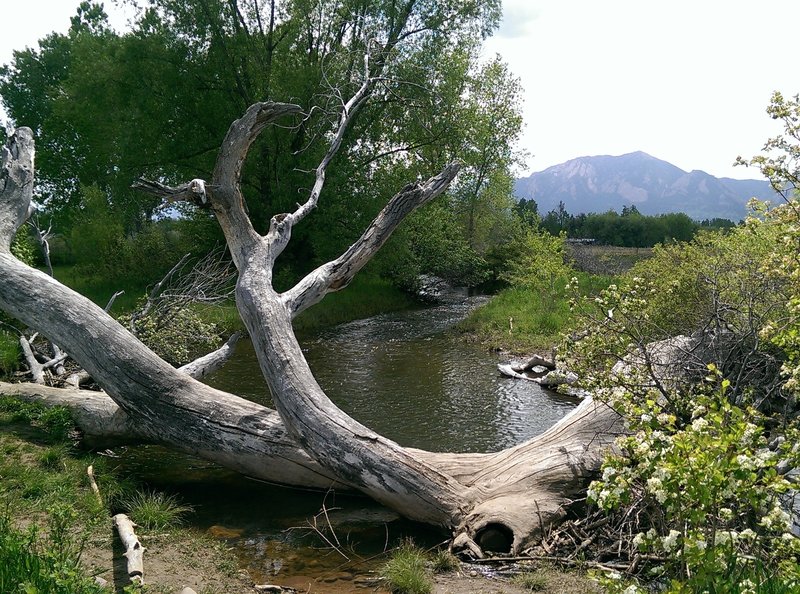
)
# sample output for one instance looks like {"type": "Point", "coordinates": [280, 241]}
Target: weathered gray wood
{"type": "Point", "coordinates": [36, 369]}
{"type": "Point", "coordinates": [134, 551]}
{"type": "Point", "coordinates": [309, 441]}
{"type": "Point", "coordinates": [208, 364]}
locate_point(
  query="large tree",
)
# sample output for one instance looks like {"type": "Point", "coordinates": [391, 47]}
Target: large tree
{"type": "Point", "coordinates": [500, 501]}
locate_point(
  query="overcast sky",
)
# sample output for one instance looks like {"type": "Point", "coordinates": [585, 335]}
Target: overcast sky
{"type": "Point", "coordinates": [687, 81]}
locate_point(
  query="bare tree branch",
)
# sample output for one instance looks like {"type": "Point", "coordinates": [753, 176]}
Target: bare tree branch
{"type": "Point", "coordinates": [208, 364]}
{"type": "Point", "coordinates": [337, 274]}
{"type": "Point", "coordinates": [16, 185]}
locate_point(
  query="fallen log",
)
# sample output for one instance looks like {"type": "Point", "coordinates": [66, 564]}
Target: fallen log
{"type": "Point", "coordinates": [134, 551]}
{"type": "Point", "coordinates": [512, 495]}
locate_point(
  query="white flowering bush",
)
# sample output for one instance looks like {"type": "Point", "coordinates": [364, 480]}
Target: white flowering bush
{"type": "Point", "coordinates": [704, 496]}
{"type": "Point", "coordinates": [698, 493]}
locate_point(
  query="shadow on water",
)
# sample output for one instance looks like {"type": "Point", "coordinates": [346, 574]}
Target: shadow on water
{"type": "Point", "coordinates": [405, 375]}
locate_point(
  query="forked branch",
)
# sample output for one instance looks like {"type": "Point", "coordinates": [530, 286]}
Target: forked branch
{"type": "Point", "coordinates": [338, 273]}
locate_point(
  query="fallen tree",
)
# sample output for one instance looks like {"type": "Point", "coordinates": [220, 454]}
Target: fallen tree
{"type": "Point", "coordinates": [500, 501]}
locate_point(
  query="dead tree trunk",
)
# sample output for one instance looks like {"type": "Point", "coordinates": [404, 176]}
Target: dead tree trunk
{"type": "Point", "coordinates": [310, 442]}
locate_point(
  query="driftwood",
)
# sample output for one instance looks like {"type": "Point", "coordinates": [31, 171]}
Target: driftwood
{"type": "Point", "coordinates": [134, 551]}
{"type": "Point", "coordinates": [516, 493]}
{"type": "Point", "coordinates": [93, 484]}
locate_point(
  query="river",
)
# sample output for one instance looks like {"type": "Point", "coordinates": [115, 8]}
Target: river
{"type": "Point", "coordinates": [406, 375]}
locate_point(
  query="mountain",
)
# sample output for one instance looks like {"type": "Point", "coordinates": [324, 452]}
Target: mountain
{"type": "Point", "coordinates": [602, 183]}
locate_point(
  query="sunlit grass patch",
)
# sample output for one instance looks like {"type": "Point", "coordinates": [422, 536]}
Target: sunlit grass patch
{"type": "Point", "coordinates": [154, 510]}
{"type": "Point", "coordinates": [407, 571]}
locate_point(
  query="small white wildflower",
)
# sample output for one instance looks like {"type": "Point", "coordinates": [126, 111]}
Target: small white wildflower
{"type": "Point", "coordinates": [670, 541]}
{"type": "Point", "coordinates": [609, 472]}
{"type": "Point", "coordinates": [699, 424]}
{"type": "Point", "coordinates": [749, 432]}
{"type": "Point", "coordinates": [747, 587]}
{"type": "Point", "coordinates": [700, 544]}
{"type": "Point", "coordinates": [638, 540]}
{"type": "Point", "coordinates": [747, 534]}
{"type": "Point", "coordinates": [725, 513]}
{"type": "Point", "coordinates": [654, 484]}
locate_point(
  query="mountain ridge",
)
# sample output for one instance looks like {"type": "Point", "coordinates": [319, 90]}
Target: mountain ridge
{"type": "Point", "coordinates": [606, 182]}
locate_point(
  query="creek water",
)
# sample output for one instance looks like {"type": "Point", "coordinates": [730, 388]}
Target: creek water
{"type": "Point", "coordinates": [405, 375]}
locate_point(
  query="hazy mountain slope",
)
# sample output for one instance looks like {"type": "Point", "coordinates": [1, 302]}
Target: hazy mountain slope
{"type": "Point", "coordinates": [598, 184]}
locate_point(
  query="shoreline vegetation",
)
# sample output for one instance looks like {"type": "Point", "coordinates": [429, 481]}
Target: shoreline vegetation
{"type": "Point", "coordinates": [56, 536]}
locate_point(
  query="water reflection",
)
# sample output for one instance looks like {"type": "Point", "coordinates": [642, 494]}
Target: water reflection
{"type": "Point", "coordinates": [407, 377]}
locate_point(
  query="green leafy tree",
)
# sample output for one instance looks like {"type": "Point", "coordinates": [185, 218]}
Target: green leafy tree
{"type": "Point", "coordinates": [539, 263]}
{"type": "Point", "coordinates": [155, 101]}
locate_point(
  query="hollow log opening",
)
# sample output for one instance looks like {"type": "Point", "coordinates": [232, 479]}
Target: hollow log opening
{"type": "Point", "coordinates": [495, 538]}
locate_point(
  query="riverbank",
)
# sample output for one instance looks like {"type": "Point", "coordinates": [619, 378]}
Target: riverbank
{"type": "Point", "coordinates": [366, 296]}
{"type": "Point", "coordinates": [521, 320]}
{"type": "Point", "coordinates": [58, 535]}
{"type": "Point", "coordinates": [49, 511]}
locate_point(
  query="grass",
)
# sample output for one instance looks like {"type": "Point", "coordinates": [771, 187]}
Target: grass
{"type": "Point", "coordinates": [51, 522]}
{"type": "Point", "coordinates": [153, 510]}
{"type": "Point", "coordinates": [407, 571]}
{"type": "Point", "coordinates": [444, 561]}
{"type": "Point", "coordinates": [607, 259]}
{"type": "Point", "coordinates": [99, 290]}
{"type": "Point", "coordinates": [366, 296]}
{"type": "Point", "coordinates": [33, 563]}
{"type": "Point", "coordinates": [9, 353]}
{"type": "Point", "coordinates": [537, 319]}
{"type": "Point", "coordinates": [534, 581]}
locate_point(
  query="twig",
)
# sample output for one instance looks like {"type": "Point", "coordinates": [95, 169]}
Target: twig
{"type": "Point", "coordinates": [93, 483]}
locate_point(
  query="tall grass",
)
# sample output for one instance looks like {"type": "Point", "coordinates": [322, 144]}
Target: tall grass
{"type": "Point", "coordinates": [407, 571]}
{"type": "Point", "coordinates": [9, 353]}
{"type": "Point", "coordinates": [521, 320]}
{"type": "Point", "coordinates": [154, 510]}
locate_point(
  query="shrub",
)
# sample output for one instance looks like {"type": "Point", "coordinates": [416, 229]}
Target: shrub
{"type": "Point", "coordinates": [31, 563]}
{"type": "Point", "coordinates": [407, 571]}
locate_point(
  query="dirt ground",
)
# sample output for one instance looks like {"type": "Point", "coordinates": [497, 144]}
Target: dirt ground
{"type": "Point", "coordinates": [173, 562]}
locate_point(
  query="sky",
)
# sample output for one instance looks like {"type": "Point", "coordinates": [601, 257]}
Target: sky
{"type": "Point", "coordinates": [687, 81]}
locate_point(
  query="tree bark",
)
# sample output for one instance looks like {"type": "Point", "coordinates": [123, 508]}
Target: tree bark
{"type": "Point", "coordinates": [134, 551]}
{"type": "Point", "coordinates": [309, 441]}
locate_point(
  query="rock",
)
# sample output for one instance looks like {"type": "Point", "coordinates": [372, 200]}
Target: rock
{"type": "Point", "coordinates": [438, 290]}
{"type": "Point", "coordinates": [221, 532]}
{"type": "Point", "coordinates": [557, 378]}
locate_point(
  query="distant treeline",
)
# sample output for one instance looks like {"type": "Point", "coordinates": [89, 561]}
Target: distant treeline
{"type": "Point", "coordinates": [630, 228]}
